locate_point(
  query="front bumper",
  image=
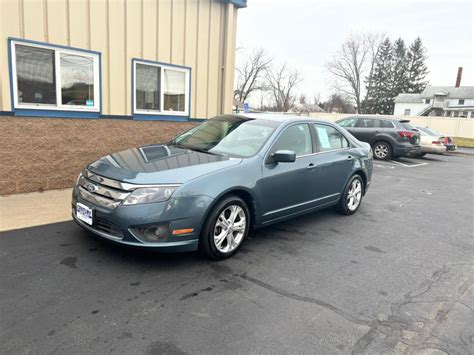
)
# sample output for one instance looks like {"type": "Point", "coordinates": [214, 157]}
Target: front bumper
{"type": "Point", "coordinates": [119, 224]}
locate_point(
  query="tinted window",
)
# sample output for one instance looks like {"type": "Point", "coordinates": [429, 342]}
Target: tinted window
{"type": "Point", "coordinates": [407, 125]}
{"type": "Point", "coordinates": [296, 138]}
{"type": "Point", "coordinates": [386, 124]}
{"type": "Point", "coordinates": [369, 123]}
{"type": "Point", "coordinates": [348, 122]}
{"type": "Point", "coordinates": [36, 81]}
{"type": "Point", "coordinates": [330, 138]}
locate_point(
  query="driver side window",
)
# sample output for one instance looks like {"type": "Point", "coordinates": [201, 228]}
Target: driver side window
{"type": "Point", "coordinates": [296, 138]}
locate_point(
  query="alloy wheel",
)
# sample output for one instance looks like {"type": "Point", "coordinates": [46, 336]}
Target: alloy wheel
{"type": "Point", "coordinates": [354, 195]}
{"type": "Point", "coordinates": [229, 229]}
{"type": "Point", "coordinates": [381, 151]}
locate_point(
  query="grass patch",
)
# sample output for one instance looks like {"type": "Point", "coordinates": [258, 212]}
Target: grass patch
{"type": "Point", "coordinates": [464, 142]}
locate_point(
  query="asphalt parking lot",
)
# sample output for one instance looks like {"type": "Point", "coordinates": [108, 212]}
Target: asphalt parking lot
{"type": "Point", "coordinates": [397, 277]}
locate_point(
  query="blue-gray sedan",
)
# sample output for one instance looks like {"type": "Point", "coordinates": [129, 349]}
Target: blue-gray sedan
{"type": "Point", "coordinates": [209, 186]}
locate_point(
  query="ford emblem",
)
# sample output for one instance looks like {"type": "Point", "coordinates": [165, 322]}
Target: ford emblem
{"type": "Point", "coordinates": [91, 187]}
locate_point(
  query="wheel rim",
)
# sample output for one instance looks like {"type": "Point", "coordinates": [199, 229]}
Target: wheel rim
{"type": "Point", "coordinates": [381, 151]}
{"type": "Point", "coordinates": [354, 195]}
{"type": "Point", "coordinates": [229, 229]}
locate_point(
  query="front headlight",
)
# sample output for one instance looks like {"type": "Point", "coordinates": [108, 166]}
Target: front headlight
{"type": "Point", "coordinates": [149, 195]}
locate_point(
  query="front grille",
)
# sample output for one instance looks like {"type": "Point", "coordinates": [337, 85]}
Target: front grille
{"type": "Point", "coordinates": [100, 191]}
{"type": "Point", "coordinates": [108, 228]}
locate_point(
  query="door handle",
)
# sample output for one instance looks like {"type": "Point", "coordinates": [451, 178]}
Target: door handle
{"type": "Point", "coordinates": [311, 166]}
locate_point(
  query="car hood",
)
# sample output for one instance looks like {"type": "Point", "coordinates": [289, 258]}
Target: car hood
{"type": "Point", "coordinates": [159, 164]}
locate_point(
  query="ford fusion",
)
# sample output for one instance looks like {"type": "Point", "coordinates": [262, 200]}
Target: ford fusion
{"type": "Point", "coordinates": [208, 187]}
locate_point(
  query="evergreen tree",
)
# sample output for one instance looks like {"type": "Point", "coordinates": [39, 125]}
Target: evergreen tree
{"type": "Point", "coordinates": [400, 68]}
{"type": "Point", "coordinates": [379, 86]}
{"type": "Point", "coordinates": [417, 69]}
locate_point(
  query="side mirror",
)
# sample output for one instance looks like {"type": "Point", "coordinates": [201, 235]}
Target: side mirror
{"type": "Point", "coordinates": [284, 156]}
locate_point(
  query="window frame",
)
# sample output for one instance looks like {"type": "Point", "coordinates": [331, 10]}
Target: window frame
{"type": "Point", "coordinates": [162, 66]}
{"type": "Point", "coordinates": [58, 50]}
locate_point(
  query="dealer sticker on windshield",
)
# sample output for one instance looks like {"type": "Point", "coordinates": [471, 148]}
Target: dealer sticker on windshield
{"type": "Point", "coordinates": [84, 213]}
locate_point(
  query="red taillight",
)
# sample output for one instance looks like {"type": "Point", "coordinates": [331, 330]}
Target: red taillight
{"type": "Point", "coordinates": [406, 134]}
{"type": "Point", "coordinates": [436, 142]}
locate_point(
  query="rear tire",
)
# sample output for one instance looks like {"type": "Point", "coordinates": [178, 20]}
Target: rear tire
{"type": "Point", "coordinates": [351, 198]}
{"type": "Point", "coordinates": [225, 228]}
{"type": "Point", "coordinates": [382, 151]}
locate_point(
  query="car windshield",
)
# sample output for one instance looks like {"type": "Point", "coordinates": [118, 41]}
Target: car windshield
{"type": "Point", "coordinates": [429, 132]}
{"type": "Point", "coordinates": [408, 125]}
{"type": "Point", "coordinates": [228, 135]}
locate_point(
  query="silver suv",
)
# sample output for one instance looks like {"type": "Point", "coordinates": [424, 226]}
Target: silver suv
{"type": "Point", "coordinates": [390, 137]}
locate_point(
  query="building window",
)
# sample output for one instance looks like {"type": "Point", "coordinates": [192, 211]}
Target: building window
{"type": "Point", "coordinates": [407, 112]}
{"type": "Point", "coordinates": [461, 102]}
{"type": "Point", "coordinates": [161, 89]}
{"type": "Point", "coordinates": [54, 78]}
{"type": "Point", "coordinates": [427, 101]}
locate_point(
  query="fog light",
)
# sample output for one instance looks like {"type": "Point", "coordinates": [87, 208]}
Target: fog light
{"type": "Point", "coordinates": [151, 233]}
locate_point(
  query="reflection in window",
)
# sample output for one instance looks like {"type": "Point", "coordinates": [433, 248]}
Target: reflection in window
{"type": "Point", "coordinates": [330, 138]}
{"type": "Point", "coordinates": [296, 138]}
{"type": "Point", "coordinates": [147, 87]}
{"type": "Point", "coordinates": [174, 88]}
{"type": "Point", "coordinates": [36, 82]}
{"type": "Point", "coordinates": [77, 80]}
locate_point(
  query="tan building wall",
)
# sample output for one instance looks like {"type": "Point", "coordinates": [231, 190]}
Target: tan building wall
{"type": "Point", "coordinates": [195, 33]}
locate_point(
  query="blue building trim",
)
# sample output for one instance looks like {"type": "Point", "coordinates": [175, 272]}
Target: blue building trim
{"type": "Point", "coordinates": [55, 113]}
{"type": "Point", "coordinates": [53, 45]}
{"type": "Point", "coordinates": [31, 112]}
{"type": "Point", "coordinates": [237, 3]}
{"type": "Point", "coordinates": [160, 116]}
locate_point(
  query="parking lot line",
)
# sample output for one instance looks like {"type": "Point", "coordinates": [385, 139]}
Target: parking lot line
{"type": "Point", "coordinates": [408, 166]}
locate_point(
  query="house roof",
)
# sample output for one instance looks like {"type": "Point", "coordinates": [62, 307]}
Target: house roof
{"type": "Point", "coordinates": [462, 92]}
{"type": "Point", "coordinates": [408, 98]}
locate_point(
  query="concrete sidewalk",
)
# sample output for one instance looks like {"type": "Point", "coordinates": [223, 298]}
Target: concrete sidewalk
{"type": "Point", "coordinates": [34, 209]}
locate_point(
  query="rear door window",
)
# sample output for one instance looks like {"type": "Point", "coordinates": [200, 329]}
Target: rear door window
{"type": "Point", "coordinates": [329, 138]}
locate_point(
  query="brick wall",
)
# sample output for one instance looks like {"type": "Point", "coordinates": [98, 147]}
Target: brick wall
{"type": "Point", "coordinates": [48, 153]}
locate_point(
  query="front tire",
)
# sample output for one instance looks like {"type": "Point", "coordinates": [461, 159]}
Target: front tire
{"type": "Point", "coordinates": [225, 228]}
{"type": "Point", "coordinates": [382, 151]}
{"type": "Point", "coordinates": [351, 198]}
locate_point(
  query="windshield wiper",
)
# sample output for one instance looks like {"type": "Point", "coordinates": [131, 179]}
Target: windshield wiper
{"type": "Point", "coordinates": [200, 150]}
{"type": "Point", "coordinates": [195, 149]}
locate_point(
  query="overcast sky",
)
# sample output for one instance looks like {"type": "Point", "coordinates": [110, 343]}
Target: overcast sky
{"type": "Point", "coordinates": [306, 33]}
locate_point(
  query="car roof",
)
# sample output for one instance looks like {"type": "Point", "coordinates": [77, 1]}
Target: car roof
{"type": "Point", "coordinates": [379, 117]}
{"type": "Point", "coordinates": [279, 118]}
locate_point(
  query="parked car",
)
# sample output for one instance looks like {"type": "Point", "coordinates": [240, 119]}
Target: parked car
{"type": "Point", "coordinates": [209, 186]}
{"type": "Point", "coordinates": [434, 142]}
{"type": "Point", "coordinates": [390, 137]}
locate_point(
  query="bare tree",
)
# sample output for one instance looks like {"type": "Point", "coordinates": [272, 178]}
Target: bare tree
{"type": "Point", "coordinates": [350, 65]}
{"type": "Point", "coordinates": [281, 83]}
{"type": "Point", "coordinates": [250, 75]}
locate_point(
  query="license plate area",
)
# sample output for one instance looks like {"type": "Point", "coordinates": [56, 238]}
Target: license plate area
{"type": "Point", "coordinates": [84, 213]}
